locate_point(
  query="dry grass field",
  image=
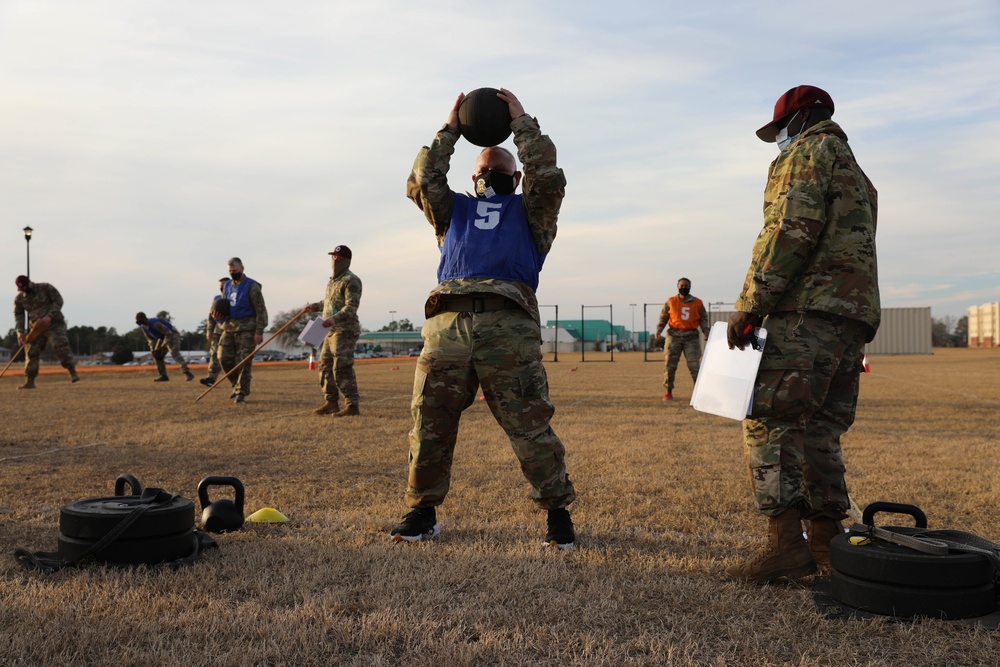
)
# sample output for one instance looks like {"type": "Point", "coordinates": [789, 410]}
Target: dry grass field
{"type": "Point", "coordinates": [663, 507]}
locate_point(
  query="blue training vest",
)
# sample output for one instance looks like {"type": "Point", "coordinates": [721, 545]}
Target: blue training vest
{"type": "Point", "coordinates": [239, 299]}
{"type": "Point", "coordinates": [149, 329]}
{"type": "Point", "coordinates": [490, 238]}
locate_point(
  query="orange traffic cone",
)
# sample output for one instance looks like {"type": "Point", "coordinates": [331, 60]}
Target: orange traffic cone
{"type": "Point", "coordinates": [864, 362]}
{"type": "Point", "coordinates": [312, 361]}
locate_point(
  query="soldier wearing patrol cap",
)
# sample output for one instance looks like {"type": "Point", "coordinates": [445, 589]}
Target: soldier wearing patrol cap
{"type": "Point", "coordinates": [41, 304]}
{"type": "Point", "coordinates": [340, 315]}
{"type": "Point", "coordinates": [813, 284]}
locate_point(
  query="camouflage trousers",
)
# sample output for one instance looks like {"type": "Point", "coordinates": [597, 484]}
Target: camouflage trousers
{"type": "Point", "coordinates": [214, 366]}
{"type": "Point", "coordinates": [234, 347]}
{"type": "Point", "coordinates": [59, 337]}
{"type": "Point", "coordinates": [690, 345]}
{"type": "Point", "coordinates": [336, 367]}
{"type": "Point", "coordinates": [500, 351]}
{"type": "Point", "coordinates": [804, 400]}
{"type": "Point", "coordinates": [172, 343]}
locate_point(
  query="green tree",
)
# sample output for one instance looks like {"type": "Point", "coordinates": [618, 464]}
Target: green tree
{"type": "Point", "coordinates": [398, 325]}
{"type": "Point", "coordinates": [121, 354]}
{"type": "Point", "coordinates": [962, 331]}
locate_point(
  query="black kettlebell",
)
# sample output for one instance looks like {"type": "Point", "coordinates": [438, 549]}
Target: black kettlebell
{"type": "Point", "coordinates": [133, 484]}
{"type": "Point", "coordinates": [222, 515]}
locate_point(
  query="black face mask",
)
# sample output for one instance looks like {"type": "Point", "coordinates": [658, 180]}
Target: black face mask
{"type": "Point", "coordinates": [490, 183]}
{"type": "Point", "coordinates": [235, 276]}
{"type": "Point", "coordinates": [683, 291]}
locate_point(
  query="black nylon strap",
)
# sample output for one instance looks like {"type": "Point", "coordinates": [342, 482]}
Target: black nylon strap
{"type": "Point", "coordinates": [48, 561]}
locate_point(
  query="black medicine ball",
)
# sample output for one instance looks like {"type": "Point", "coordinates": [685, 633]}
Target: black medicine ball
{"type": "Point", "coordinates": [483, 118]}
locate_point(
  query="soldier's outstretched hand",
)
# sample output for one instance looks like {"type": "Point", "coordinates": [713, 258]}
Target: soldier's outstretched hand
{"type": "Point", "coordinates": [453, 115]}
{"type": "Point", "coordinates": [513, 104]}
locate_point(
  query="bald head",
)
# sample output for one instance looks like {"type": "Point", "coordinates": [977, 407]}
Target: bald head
{"type": "Point", "coordinates": [497, 160]}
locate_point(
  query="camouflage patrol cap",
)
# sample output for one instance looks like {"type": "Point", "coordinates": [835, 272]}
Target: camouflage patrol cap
{"type": "Point", "coordinates": [341, 251]}
{"type": "Point", "coordinates": [799, 97]}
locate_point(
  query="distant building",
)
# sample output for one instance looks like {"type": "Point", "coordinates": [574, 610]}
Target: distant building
{"type": "Point", "coordinates": [902, 331]}
{"type": "Point", "coordinates": [984, 325]}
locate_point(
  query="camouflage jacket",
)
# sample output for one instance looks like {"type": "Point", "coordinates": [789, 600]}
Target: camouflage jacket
{"type": "Point", "coordinates": [258, 323]}
{"type": "Point", "coordinates": [42, 300]}
{"type": "Point", "coordinates": [166, 335]}
{"type": "Point", "coordinates": [817, 248]}
{"type": "Point", "coordinates": [543, 187]}
{"type": "Point", "coordinates": [343, 296]}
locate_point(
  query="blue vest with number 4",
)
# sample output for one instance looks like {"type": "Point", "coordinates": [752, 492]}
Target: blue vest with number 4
{"type": "Point", "coordinates": [490, 238]}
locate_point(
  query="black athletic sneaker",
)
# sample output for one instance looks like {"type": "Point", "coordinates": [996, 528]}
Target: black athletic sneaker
{"type": "Point", "coordinates": [418, 524]}
{"type": "Point", "coordinates": [208, 382]}
{"type": "Point", "coordinates": [560, 533]}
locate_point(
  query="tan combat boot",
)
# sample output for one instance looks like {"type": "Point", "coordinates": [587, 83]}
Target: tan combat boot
{"type": "Point", "coordinates": [821, 530]}
{"type": "Point", "coordinates": [29, 382]}
{"type": "Point", "coordinates": [786, 553]}
{"type": "Point", "coordinates": [350, 411]}
{"type": "Point", "coordinates": [328, 408]}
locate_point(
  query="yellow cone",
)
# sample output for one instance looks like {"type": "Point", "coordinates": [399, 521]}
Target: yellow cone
{"type": "Point", "coordinates": [267, 515]}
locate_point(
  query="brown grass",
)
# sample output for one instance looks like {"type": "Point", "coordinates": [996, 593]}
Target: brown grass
{"type": "Point", "coordinates": [664, 506]}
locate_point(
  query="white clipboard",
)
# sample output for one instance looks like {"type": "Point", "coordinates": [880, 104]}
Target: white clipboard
{"type": "Point", "coordinates": [726, 378]}
{"type": "Point", "coordinates": [314, 333]}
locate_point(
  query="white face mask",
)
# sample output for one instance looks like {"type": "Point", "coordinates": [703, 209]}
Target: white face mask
{"type": "Point", "coordinates": [782, 138]}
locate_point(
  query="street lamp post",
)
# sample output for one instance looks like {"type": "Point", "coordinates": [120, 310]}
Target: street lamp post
{"type": "Point", "coordinates": [27, 250]}
{"type": "Point", "coordinates": [392, 337]}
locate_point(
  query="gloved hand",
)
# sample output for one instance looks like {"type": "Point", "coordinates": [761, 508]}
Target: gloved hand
{"type": "Point", "coordinates": [740, 328]}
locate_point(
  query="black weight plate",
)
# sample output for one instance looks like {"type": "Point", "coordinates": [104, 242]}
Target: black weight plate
{"type": "Point", "coordinates": [887, 563]}
{"type": "Point", "coordinates": [134, 552]}
{"type": "Point", "coordinates": [93, 518]}
{"type": "Point", "coordinates": [905, 601]}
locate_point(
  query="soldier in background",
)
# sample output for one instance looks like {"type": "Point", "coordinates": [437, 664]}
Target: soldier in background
{"type": "Point", "coordinates": [336, 357]}
{"type": "Point", "coordinates": [244, 330]}
{"type": "Point", "coordinates": [682, 316]}
{"type": "Point", "coordinates": [41, 304]}
{"type": "Point", "coordinates": [813, 284]}
{"type": "Point", "coordinates": [213, 332]}
{"type": "Point", "coordinates": [162, 338]}
{"type": "Point", "coordinates": [482, 324]}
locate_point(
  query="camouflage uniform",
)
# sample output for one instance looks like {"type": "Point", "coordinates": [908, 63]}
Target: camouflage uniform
{"type": "Point", "coordinates": [43, 300]}
{"type": "Point", "coordinates": [237, 341]}
{"type": "Point", "coordinates": [336, 356]}
{"type": "Point", "coordinates": [168, 340]}
{"type": "Point", "coordinates": [215, 333]}
{"type": "Point", "coordinates": [681, 340]}
{"type": "Point", "coordinates": [814, 278]}
{"type": "Point", "coordinates": [498, 349]}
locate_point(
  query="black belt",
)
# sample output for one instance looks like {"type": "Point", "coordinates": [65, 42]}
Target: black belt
{"type": "Point", "coordinates": [470, 303]}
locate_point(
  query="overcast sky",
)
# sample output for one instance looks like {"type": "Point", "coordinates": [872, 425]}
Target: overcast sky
{"type": "Point", "coordinates": [147, 142]}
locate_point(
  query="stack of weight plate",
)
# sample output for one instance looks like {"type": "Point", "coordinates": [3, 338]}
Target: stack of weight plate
{"type": "Point", "coordinates": [885, 578]}
{"type": "Point", "coordinates": [165, 532]}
